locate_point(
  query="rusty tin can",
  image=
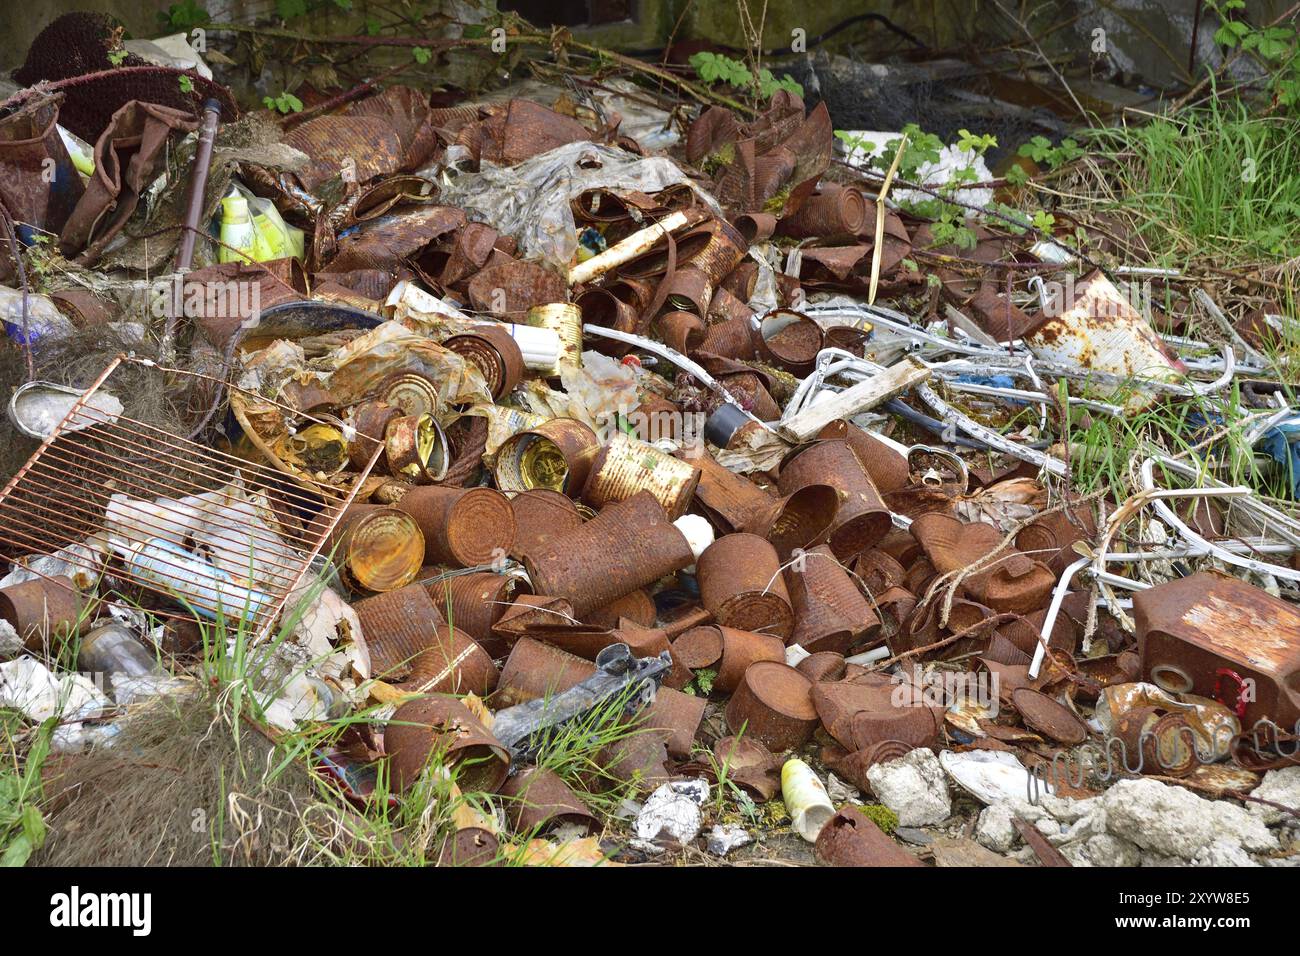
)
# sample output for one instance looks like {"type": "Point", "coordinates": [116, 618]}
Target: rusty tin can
{"type": "Point", "coordinates": [722, 252]}
{"type": "Point", "coordinates": [493, 351]}
{"type": "Point", "coordinates": [43, 610]}
{"type": "Point", "coordinates": [413, 393]}
{"type": "Point", "coordinates": [756, 226]}
{"type": "Point", "coordinates": [601, 307]}
{"type": "Point", "coordinates": [540, 515]}
{"type": "Point", "coordinates": [741, 585]}
{"type": "Point", "coordinates": [565, 320]}
{"type": "Point", "coordinates": [689, 290]}
{"type": "Point", "coordinates": [851, 838]}
{"type": "Point", "coordinates": [371, 420]}
{"type": "Point", "coordinates": [862, 519]}
{"type": "Point", "coordinates": [396, 627]}
{"type": "Point", "coordinates": [835, 212]}
{"type": "Point", "coordinates": [731, 339]}
{"type": "Point", "coordinates": [535, 670]}
{"type": "Point", "coordinates": [796, 520]}
{"type": "Point", "coordinates": [789, 340]}
{"type": "Point", "coordinates": [822, 666]}
{"type": "Point", "coordinates": [464, 527]}
{"type": "Point", "coordinates": [536, 799]}
{"type": "Point", "coordinates": [773, 705]}
{"type": "Point", "coordinates": [682, 331]}
{"type": "Point", "coordinates": [439, 724]}
{"type": "Point", "coordinates": [627, 465]}
{"type": "Point", "coordinates": [725, 306]}
{"type": "Point", "coordinates": [736, 651]}
{"type": "Point", "coordinates": [415, 448]}
{"type": "Point", "coordinates": [831, 614]}
{"type": "Point", "coordinates": [475, 602]}
{"type": "Point", "coordinates": [377, 548]}
{"type": "Point", "coordinates": [627, 546]}
{"type": "Point", "coordinates": [555, 455]}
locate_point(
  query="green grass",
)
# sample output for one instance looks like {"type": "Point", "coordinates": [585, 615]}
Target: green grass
{"type": "Point", "coordinates": [1216, 183]}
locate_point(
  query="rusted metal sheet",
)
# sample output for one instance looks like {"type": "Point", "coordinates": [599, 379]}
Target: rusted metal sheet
{"type": "Point", "coordinates": [748, 764]}
{"type": "Point", "coordinates": [377, 548]}
{"type": "Point", "coordinates": [851, 838]}
{"type": "Point", "coordinates": [1101, 330]}
{"type": "Point", "coordinates": [627, 546]}
{"type": "Point", "coordinates": [627, 465]}
{"type": "Point", "coordinates": [522, 285]}
{"type": "Point", "coordinates": [535, 670]}
{"type": "Point", "coordinates": [463, 527]}
{"type": "Point", "coordinates": [862, 519]}
{"type": "Point", "coordinates": [741, 585]}
{"type": "Point", "coordinates": [1207, 634]}
{"type": "Point", "coordinates": [773, 705]}
{"type": "Point", "coordinates": [1048, 716]}
{"type": "Point", "coordinates": [443, 725]}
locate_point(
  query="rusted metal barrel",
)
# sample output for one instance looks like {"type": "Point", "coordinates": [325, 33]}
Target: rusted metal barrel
{"type": "Point", "coordinates": [789, 340]}
{"type": "Point", "coordinates": [862, 519]}
{"type": "Point", "coordinates": [627, 546]}
{"type": "Point", "coordinates": [475, 602]}
{"type": "Point", "coordinates": [415, 448]}
{"type": "Point", "coordinates": [443, 725]}
{"type": "Point", "coordinates": [773, 705]}
{"type": "Point", "coordinates": [727, 649]}
{"type": "Point", "coordinates": [555, 455]}
{"type": "Point", "coordinates": [536, 799]}
{"type": "Point", "coordinates": [831, 614]}
{"type": "Point", "coordinates": [371, 420]}
{"type": "Point", "coordinates": [741, 585]}
{"type": "Point", "coordinates": [627, 465]}
{"type": "Point", "coordinates": [540, 515]}
{"type": "Point", "coordinates": [493, 351]}
{"type": "Point", "coordinates": [43, 610]}
{"type": "Point", "coordinates": [376, 547]}
{"type": "Point", "coordinates": [565, 320]}
{"type": "Point", "coordinates": [465, 527]}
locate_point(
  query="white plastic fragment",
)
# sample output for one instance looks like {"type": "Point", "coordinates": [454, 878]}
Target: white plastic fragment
{"type": "Point", "coordinates": [805, 798]}
{"type": "Point", "coordinates": [672, 814]}
{"type": "Point", "coordinates": [725, 837]}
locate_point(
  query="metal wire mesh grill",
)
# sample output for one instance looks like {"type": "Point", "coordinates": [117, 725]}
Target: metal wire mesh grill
{"type": "Point", "coordinates": [180, 528]}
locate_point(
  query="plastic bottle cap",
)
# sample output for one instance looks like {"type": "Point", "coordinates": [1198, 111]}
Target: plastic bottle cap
{"type": "Point", "coordinates": [234, 209]}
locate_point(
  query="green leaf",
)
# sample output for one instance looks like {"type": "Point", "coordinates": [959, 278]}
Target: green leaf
{"type": "Point", "coordinates": [1016, 175]}
{"type": "Point", "coordinates": [289, 9]}
{"type": "Point", "coordinates": [422, 54]}
{"type": "Point", "coordinates": [187, 84]}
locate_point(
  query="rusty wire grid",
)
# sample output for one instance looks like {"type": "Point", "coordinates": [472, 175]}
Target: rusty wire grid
{"type": "Point", "coordinates": [180, 528]}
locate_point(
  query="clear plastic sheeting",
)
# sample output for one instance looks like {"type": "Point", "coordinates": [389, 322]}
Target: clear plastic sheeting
{"type": "Point", "coordinates": [530, 201]}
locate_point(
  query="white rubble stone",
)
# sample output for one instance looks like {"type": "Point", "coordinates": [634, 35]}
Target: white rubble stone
{"type": "Point", "coordinates": [995, 829]}
{"type": "Point", "coordinates": [1280, 786]}
{"type": "Point", "coordinates": [1168, 820]}
{"type": "Point", "coordinates": [1223, 853]}
{"type": "Point", "coordinates": [1102, 849]}
{"type": "Point", "coordinates": [915, 787]}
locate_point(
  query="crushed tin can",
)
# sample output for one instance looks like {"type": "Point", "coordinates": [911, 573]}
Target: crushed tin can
{"type": "Point", "coordinates": [742, 587]}
{"type": "Point", "coordinates": [682, 331]}
{"type": "Point", "coordinates": [727, 650]}
{"type": "Point", "coordinates": [851, 838]}
{"type": "Point", "coordinates": [462, 527]}
{"type": "Point", "coordinates": [831, 614]}
{"type": "Point", "coordinates": [444, 726]}
{"type": "Point", "coordinates": [628, 465]}
{"type": "Point", "coordinates": [536, 799]}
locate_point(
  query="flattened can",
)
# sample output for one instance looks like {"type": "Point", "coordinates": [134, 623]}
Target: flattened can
{"type": "Point", "coordinates": [376, 547]}
{"type": "Point", "coordinates": [627, 465]}
{"type": "Point", "coordinates": [627, 546]}
{"type": "Point", "coordinates": [536, 799]}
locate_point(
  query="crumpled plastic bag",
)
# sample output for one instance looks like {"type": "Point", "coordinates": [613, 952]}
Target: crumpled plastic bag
{"type": "Point", "coordinates": [530, 201]}
{"type": "Point", "coordinates": [28, 686]}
